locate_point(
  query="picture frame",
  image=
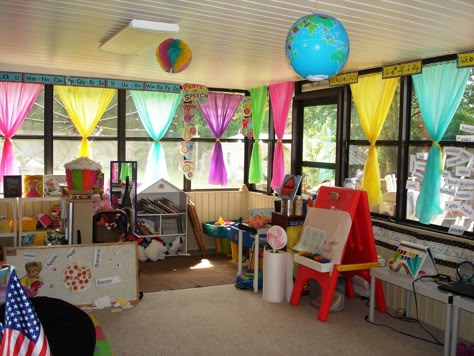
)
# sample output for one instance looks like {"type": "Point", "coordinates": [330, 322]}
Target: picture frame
{"type": "Point", "coordinates": [12, 186]}
{"type": "Point", "coordinates": [290, 186]}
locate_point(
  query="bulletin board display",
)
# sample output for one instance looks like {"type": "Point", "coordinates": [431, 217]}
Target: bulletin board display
{"type": "Point", "coordinates": [79, 274]}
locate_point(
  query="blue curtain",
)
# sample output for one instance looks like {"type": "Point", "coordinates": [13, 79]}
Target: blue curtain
{"type": "Point", "coordinates": [439, 90]}
{"type": "Point", "coordinates": [156, 111]}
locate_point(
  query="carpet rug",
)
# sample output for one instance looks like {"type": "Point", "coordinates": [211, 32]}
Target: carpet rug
{"type": "Point", "coordinates": [176, 272]}
{"type": "Point", "coordinates": [102, 346]}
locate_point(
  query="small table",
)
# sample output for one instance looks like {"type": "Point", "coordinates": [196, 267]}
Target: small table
{"type": "Point", "coordinates": [459, 303]}
{"type": "Point", "coordinates": [426, 288]}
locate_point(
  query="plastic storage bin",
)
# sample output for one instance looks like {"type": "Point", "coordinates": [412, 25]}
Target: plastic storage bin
{"type": "Point", "coordinates": [233, 235]}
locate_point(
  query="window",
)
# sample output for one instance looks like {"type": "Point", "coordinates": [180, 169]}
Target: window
{"type": "Point", "coordinates": [28, 142]}
{"type": "Point", "coordinates": [387, 152]}
{"type": "Point", "coordinates": [458, 158]}
{"type": "Point", "coordinates": [67, 139]}
{"type": "Point", "coordinates": [138, 144]}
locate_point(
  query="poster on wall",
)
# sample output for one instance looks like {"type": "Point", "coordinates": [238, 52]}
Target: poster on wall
{"type": "Point", "coordinates": [78, 274]}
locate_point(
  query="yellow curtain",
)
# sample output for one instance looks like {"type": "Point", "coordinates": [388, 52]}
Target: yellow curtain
{"type": "Point", "coordinates": [85, 106]}
{"type": "Point", "coordinates": [373, 96]}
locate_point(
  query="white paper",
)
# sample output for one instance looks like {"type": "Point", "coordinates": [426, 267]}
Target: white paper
{"type": "Point", "coordinates": [464, 138]}
{"type": "Point", "coordinates": [274, 276]}
{"type": "Point", "coordinates": [311, 240]}
{"type": "Point", "coordinates": [463, 171]}
{"type": "Point", "coordinates": [456, 230]}
{"type": "Point", "coordinates": [466, 128]}
{"type": "Point", "coordinates": [452, 151]}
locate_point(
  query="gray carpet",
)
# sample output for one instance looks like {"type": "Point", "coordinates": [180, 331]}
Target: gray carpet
{"type": "Point", "coordinates": [223, 320]}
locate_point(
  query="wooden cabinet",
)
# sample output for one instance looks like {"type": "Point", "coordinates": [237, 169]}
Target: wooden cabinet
{"type": "Point", "coordinates": [162, 213]}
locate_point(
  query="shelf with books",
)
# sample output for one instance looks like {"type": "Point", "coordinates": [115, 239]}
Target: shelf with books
{"type": "Point", "coordinates": [162, 212]}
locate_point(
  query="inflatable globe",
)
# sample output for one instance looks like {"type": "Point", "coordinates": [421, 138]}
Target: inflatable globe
{"type": "Point", "coordinates": [317, 47]}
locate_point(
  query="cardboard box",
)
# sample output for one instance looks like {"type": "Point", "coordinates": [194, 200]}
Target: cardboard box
{"type": "Point", "coordinates": [28, 224]}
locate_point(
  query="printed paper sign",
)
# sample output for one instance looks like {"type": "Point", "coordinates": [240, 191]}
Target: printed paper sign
{"type": "Point", "coordinates": [467, 210]}
{"type": "Point", "coordinates": [412, 184]}
{"type": "Point", "coordinates": [466, 128]}
{"type": "Point", "coordinates": [456, 230]}
{"type": "Point", "coordinates": [464, 195]}
{"type": "Point", "coordinates": [100, 282]}
{"type": "Point", "coordinates": [449, 191]}
{"type": "Point", "coordinates": [452, 151]}
{"type": "Point", "coordinates": [464, 138]}
{"type": "Point", "coordinates": [452, 206]}
{"type": "Point", "coordinates": [463, 171]}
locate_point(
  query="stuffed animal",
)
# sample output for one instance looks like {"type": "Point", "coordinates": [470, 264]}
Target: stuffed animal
{"type": "Point", "coordinates": [141, 253]}
{"type": "Point", "coordinates": [156, 250]}
{"type": "Point", "coordinates": [175, 245]}
{"type": "Point", "coordinates": [101, 202]}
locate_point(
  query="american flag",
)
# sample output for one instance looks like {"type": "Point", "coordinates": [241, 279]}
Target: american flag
{"type": "Point", "coordinates": [23, 334]}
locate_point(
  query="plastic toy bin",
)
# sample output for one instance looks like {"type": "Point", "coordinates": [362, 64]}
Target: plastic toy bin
{"type": "Point", "coordinates": [219, 233]}
{"type": "Point", "coordinates": [233, 236]}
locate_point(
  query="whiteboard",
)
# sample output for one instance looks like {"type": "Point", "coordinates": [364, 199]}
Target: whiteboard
{"type": "Point", "coordinates": [80, 274]}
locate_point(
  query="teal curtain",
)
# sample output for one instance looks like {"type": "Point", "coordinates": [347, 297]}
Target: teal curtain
{"type": "Point", "coordinates": [156, 111]}
{"type": "Point", "coordinates": [439, 90]}
{"type": "Point", "coordinates": [258, 98]}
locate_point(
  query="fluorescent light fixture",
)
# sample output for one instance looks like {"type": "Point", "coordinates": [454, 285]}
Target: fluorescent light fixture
{"type": "Point", "coordinates": [138, 36]}
{"type": "Point", "coordinates": [151, 26]}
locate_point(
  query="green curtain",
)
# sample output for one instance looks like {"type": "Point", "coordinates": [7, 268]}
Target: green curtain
{"type": "Point", "coordinates": [85, 106]}
{"type": "Point", "coordinates": [258, 98]}
{"type": "Point", "coordinates": [373, 97]}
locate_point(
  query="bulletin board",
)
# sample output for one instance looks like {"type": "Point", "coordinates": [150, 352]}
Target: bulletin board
{"type": "Point", "coordinates": [81, 274]}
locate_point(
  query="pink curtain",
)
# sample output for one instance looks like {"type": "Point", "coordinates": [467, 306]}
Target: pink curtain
{"type": "Point", "coordinates": [16, 100]}
{"type": "Point", "coordinates": [280, 98]}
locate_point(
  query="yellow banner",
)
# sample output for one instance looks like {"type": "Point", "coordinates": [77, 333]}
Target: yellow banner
{"type": "Point", "coordinates": [466, 59]}
{"type": "Point", "coordinates": [401, 69]}
{"type": "Point", "coordinates": [344, 78]}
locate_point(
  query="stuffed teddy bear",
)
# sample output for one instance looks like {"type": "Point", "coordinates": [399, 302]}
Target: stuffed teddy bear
{"type": "Point", "coordinates": [156, 250]}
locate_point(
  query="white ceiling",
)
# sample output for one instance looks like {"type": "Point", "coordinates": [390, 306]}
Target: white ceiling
{"type": "Point", "coordinates": [236, 44]}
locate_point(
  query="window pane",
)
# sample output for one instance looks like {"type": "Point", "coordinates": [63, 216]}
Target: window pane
{"type": "Point", "coordinates": [313, 178]}
{"type": "Point", "coordinates": [65, 151]}
{"type": "Point", "coordinates": [319, 137]}
{"type": "Point", "coordinates": [138, 151]}
{"type": "Point", "coordinates": [262, 185]}
{"type": "Point", "coordinates": [234, 162]}
{"type": "Point", "coordinates": [34, 121]}
{"type": "Point", "coordinates": [29, 154]}
{"type": "Point", "coordinates": [387, 158]}
{"type": "Point", "coordinates": [63, 126]}
{"type": "Point", "coordinates": [390, 126]}
{"type": "Point", "coordinates": [464, 115]}
{"type": "Point", "coordinates": [456, 210]}
{"type": "Point", "coordinates": [135, 127]}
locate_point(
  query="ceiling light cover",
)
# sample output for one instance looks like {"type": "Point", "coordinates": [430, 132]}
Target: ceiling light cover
{"type": "Point", "coordinates": [138, 37]}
